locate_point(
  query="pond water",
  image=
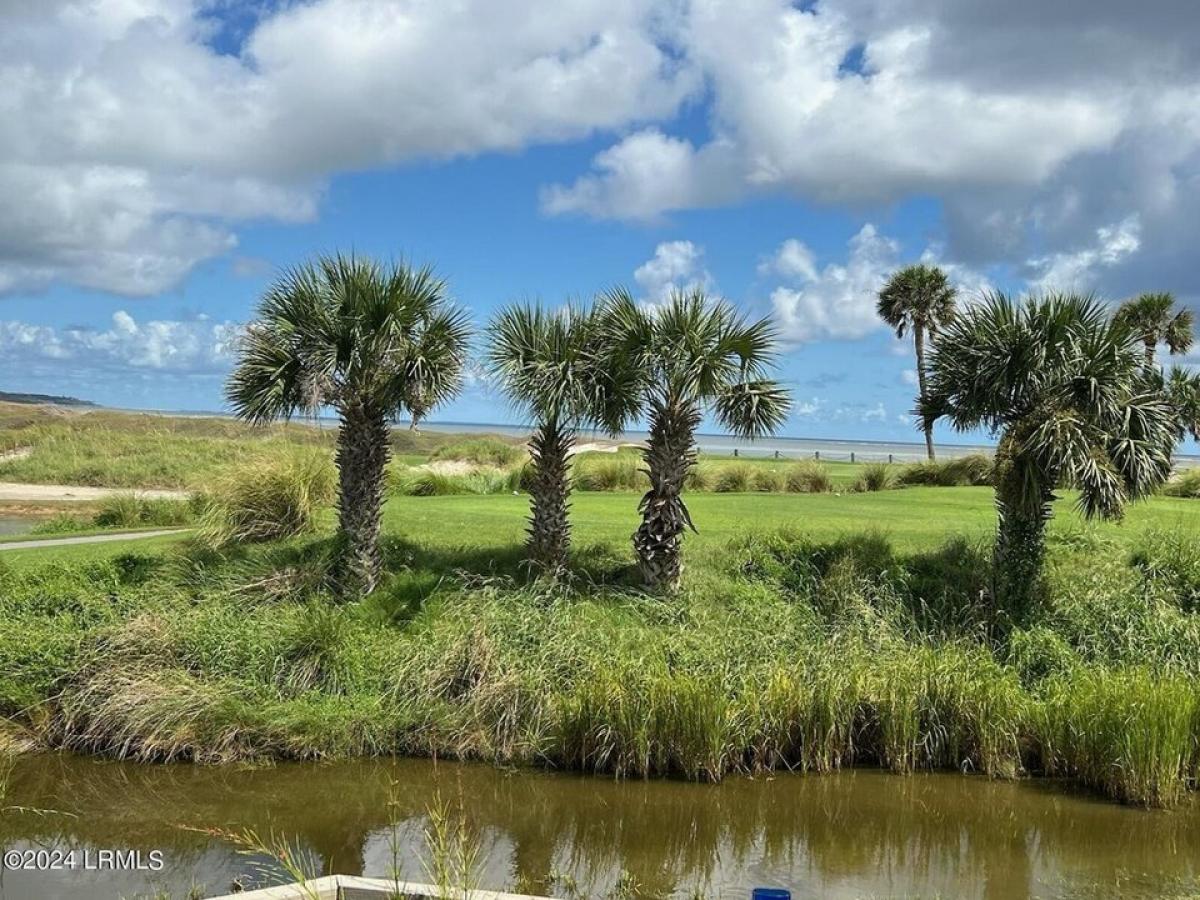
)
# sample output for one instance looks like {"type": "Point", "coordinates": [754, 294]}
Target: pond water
{"type": "Point", "coordinates": [859, 833]}
{"type": "Point", "coordinates": [16, 524]}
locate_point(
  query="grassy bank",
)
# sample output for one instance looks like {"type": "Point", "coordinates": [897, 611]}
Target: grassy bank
{"type": "Point", "coordinates": [107, 448]}
{"type": "Point", "coordinates": [811, 642]}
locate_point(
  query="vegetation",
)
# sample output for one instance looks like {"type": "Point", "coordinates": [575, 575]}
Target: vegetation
{"type": "Point", "coordinates": [919, 299]}
{"type": "Point", "coordinates": [686, 357]}
{"type": "Point", "coordinates": [554, 368]}
{"type": "Point", "coordinates": [807, 649]}
{"type": "Point", "coordinates": [1060, 383]}
{"type": "Point", "coordinates": [875, 477]}
{"type": "Point", "coordinates": [1153, 320]}
{"type": "Point", "coordinates": [371, 342]}
{"type": "Point", "coordinates": [105, 448]}
{"type": "Point", "coordinates": [268, 499]}
{"type": "Point", "coordinates": [1185, 484]}
{"type": "Point", "coordinates": [484, 451]}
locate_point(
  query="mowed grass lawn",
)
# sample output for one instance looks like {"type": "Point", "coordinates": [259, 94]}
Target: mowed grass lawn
{"type": "Point", "coordinates": [912, 519]}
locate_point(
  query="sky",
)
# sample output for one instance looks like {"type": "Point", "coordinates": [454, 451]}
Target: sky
{"type": "Point", "coordinates": [162, 160]}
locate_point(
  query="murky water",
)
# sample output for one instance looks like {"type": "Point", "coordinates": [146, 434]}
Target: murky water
{"type": "Point", "coordinates": [855, 834]}
{"type": "Point", "coordinates": [16, 524]}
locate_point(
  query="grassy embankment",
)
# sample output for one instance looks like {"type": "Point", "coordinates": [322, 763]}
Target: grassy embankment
{"type": "Point", "coordinates": [814, 631]}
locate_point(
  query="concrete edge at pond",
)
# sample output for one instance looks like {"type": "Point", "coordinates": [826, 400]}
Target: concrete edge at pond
{"type": "Point", "coordinates": [354, 887]}
{"type": "Point", "coordinates": [88, 539]}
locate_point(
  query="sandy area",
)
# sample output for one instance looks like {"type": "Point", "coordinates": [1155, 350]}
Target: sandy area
{"type": "Point", "coordinates": [44, 493]}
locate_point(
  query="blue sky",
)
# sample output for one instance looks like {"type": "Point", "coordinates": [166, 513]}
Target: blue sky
{"type": "Point", "coordinates": [164, 157]}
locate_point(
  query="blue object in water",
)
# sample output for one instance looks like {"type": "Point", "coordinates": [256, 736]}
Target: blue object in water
{"type": "Point", "coordinates": [770, 894]}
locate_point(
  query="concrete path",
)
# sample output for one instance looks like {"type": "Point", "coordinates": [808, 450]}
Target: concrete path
{"type": "Point", "coordinates": [36, 493]}
{"type": "Point", "coordinates": [88, 539]}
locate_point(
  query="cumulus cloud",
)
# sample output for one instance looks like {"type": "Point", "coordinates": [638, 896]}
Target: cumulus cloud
{"type": "Point", "coordinates": [838, 301]}
{"type": "Point", "coordinates": [909, 377]}
{"type": "Point", "coordinates": [130, 148]}
{"type": "Point", "coordinates": [136, 138]}
{"type": "Point", "coordinates": [1032, 130]}
{"type": "Point", "coordinates": [675, 266]}
{"type": "Point", "coordinates": [1078, 270]}
{"type": "Point", "coordinates": [195, 346]}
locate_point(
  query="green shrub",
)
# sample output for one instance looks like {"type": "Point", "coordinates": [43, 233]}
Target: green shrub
{"type": "Point", "coordinates": [484, 451]}
{"type": "Point", "coordinates": [700, 477]}
{"type": "Point", "coordinates": [1184, 484]}
{"type": "Point", "coordinates": [60, 523]}
{"type": "Point", "coordinates": [134, 511]}
{"type": "Point", "coordinates": [769, 479]}
{"type": "Point", "coordinates": [808, 477]}
{"type": "Point", "coordinates": [973, 469]}
{"type": "Point", "coordinates": [874, 477]}
{"type": "Point", "coordinates": [421, 482]}
{"type": "Point", "coordinates": [1171, 560]}
{"type": "Point", "coordinates": [269, 499]}
{"type": "Point", "coordinates": [609, 472]}
{"type": "Point", "coordinates": [733, 478]}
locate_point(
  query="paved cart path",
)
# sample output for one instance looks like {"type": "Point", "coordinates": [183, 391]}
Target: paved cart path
{"type": "Point", "coordinates": [88, 539]}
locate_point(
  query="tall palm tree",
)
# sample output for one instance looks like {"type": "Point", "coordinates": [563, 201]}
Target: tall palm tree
{"type": "Point", "coordinates": [919, 299]}
{"type": "Point", "coordinates": [552, 366]}
{"type": "Point", "coordinates": [690, 355]}
{"type": "Point", "coordinates": [1063, 386]}
{"type": "Point", "coordinates": [1153, 319]}
{"type": "Point", "coordinates": [365, 339]}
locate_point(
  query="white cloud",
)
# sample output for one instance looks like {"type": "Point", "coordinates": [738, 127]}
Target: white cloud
{"type": "Point", "coordinates": [675, 266]}
{"type": "Point", "coordinates": [837, 301]}
{"type": "Point", "coordinates": [793, 259]}
{"type": "Point", "coordinates": [909, 377]}
{"type": "Point", "coordinates": [788, 117]}
{"type": "Point", "coordinates": [1029, 129]}
{"type": "Point", "coordinates": [191, 346]}
{"type": "Point", "coordinates": [875, 413]}
{"type": "Point", "coordinates": [807, 408]}
{"type": "Point", "coordinates": [1078, 270]}
{"type": "Point", "coordinates": [130, 149]}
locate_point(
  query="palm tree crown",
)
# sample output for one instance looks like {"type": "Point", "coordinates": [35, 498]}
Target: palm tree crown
{"type": "Point", "coordinates": [688, 356]}
{"type": "Point", "coordinates": [552, 366]}
{"type": "Point", "coordinates": [345, 332]}
{"type": "Point", "coordinates": [919, 299]}
{"type": "Point", "coordinates": [1153, 320]}
{"type": "Point", "coordinates": [1062, 384]}
{"type": "Point", "coordinates": [369, 341]}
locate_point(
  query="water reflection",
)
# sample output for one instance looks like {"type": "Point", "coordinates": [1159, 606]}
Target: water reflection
{"type": "Point", "coordinates": [854, 834]}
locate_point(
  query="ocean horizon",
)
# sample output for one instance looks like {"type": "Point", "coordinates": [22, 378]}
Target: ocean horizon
{"type": "Point", "coordinates": [783, 447]}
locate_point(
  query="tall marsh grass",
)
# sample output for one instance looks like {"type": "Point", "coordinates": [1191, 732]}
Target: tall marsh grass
{"type": "Point", "coordinates": [781, 652]}
{"type": "Point", "coordinates": [1184, 484]}
{"type": "Point", "coordinates": [484, 451]}
{"type": "Point", "coordinates": [268, 499]}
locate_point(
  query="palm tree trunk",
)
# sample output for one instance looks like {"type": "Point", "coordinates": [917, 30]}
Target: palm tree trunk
{"type": "Point", "coordinates": [1020, 548]}
{"type": "Point", "coordinates": [1150, 343]}
{"type": "Point", "coordinates": [362, 456]}
{"type": "Point", "coordinates": [669, 456]}
{"type": "Point", "coordinates": [919, 341]}
{"type": "Point", "coordinates": [549, 526]}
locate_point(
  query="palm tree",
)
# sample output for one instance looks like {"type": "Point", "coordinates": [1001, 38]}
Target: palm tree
{"type": "Point", "coordinates": [1062, 385]}
{"type": "Point", "coordinates": [552, 366]}
{"type": "Point", "coordinates": [690, 356]}
{"type": "Point", "coordinates": [1150, 318]}
{"type": "Point", "coordinates": [919, 299]}
{"type": "Point", "coordinates": [365, 339]}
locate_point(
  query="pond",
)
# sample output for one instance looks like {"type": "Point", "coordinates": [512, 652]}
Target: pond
{"type": "Point", "coordinates": [860, 833]}
{"type": "Point", "coordinates": [16, 524]}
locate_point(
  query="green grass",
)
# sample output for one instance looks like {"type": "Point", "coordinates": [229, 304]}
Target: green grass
{"type": "Point", "coordinates": [814, 630]}
{"type": "Point", "coordinates": [104, 448]}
